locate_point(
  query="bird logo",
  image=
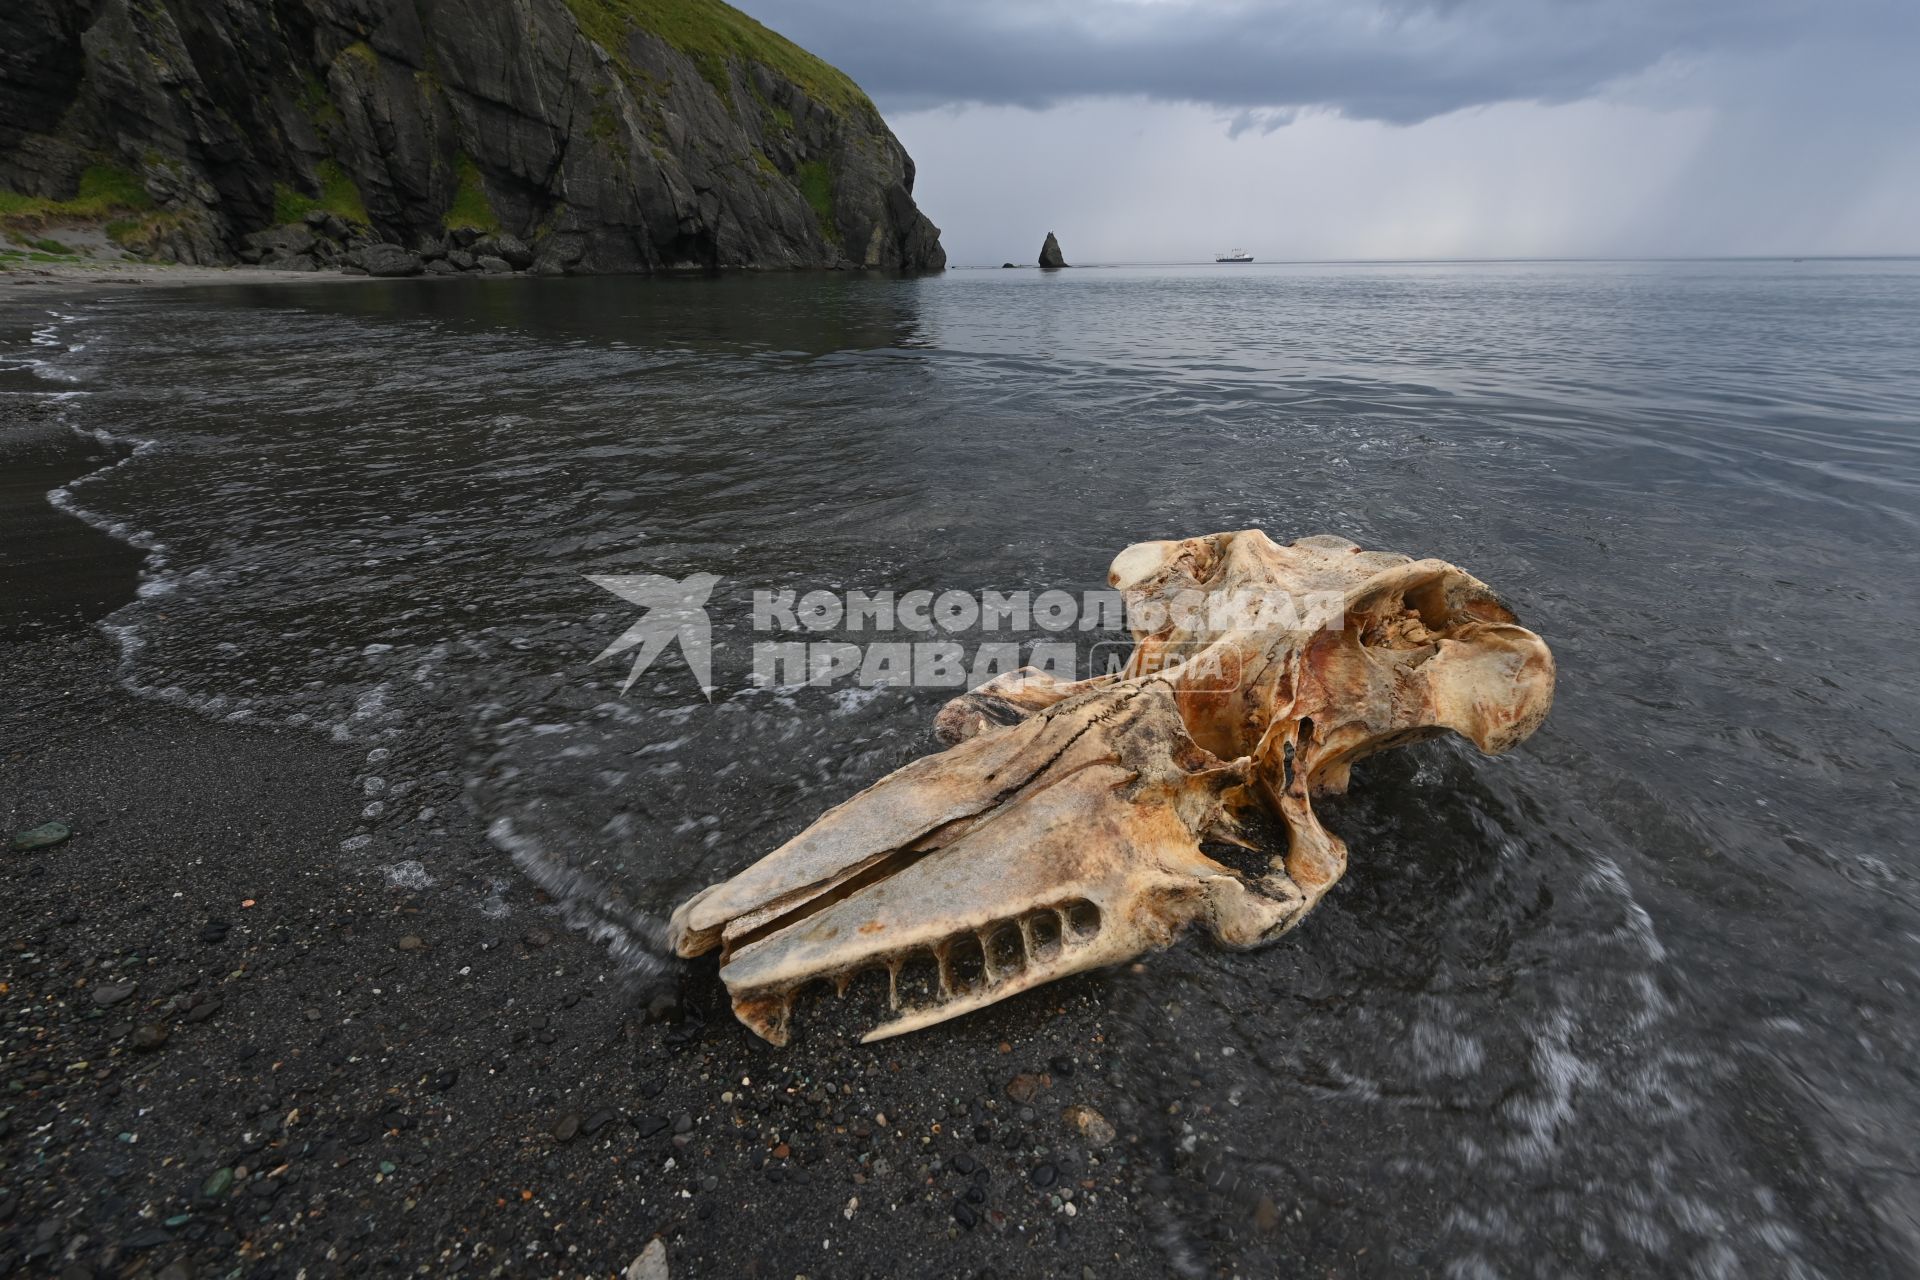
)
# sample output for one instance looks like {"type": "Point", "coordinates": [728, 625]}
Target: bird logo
{"type": "Point", "coordinates": [674, 610]}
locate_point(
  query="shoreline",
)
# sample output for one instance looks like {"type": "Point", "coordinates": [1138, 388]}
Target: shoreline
{"type": "Point", "coordinates": [255, 1049]}
{"type": "Point", "coordinates": [66, 277]}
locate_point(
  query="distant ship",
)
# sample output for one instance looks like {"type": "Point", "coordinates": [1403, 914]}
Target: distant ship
{"type": "Point", "coordinates": [1238, 255]}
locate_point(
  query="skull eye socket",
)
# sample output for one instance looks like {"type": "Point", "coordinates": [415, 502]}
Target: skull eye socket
{"type": "Point", "coordinates": [1083, 919]}
{"type": "Point", "coordinates": [1043, 933]}
{"type": "Point", "coordinates": [966, 965]}
{"type": "Point", "coordinates": [1006, 949]}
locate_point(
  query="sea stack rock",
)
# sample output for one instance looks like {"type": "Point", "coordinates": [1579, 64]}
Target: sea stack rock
{"type": "Point", "coordinates": [1050, 253]}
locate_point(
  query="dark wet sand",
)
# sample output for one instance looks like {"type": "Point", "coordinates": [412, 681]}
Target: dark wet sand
{"type": "Point", "coordinates": [54, 570]}
{"type": "Point", "coordinates": [355, 1077]}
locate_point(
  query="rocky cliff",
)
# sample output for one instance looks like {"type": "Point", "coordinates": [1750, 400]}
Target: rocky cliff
{"type": "Point", "coordinates": [565, 135]}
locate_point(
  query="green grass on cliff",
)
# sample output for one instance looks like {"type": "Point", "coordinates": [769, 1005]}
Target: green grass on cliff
{"type": "Point", "coordinates": [815, 181]}
{"type": "Point", "coordinates": [105, 191]}
{"type": "Point", "coordinates": [471, 208]}
{"type": "Point", "coordinates": [712, 34]}
{"type": "Point", "coordinates": [338, 195]}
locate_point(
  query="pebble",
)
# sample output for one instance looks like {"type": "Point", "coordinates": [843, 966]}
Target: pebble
{"type": "Point", "coordinates": [963, 1213]}
{"type": "Point", "coordinates": [568, 1127]}
{"type": "Point", "coordinates": [537, 937]}
{"type": "Point", "coordinates": [215, 932]}
{"type": "Point", "coordinates": [112, 993]}
{"type": "Point", "coordinates": [650, 1265]}
{"type": "Point", "coordinates": [1024, 1086]}
{"type": "Point", "coordinates": [412, 942]}
{"type": "Point", "coordinates": [1043, 1175]}
{"type": "Point", "coordinates": [1089, 1124]}
{"type": "Point", "coordinates": [598, 1121]}
{"type": "Point", "coordinates": [682, 1123]}
{"type": "Point", "coordinates": [218, 1184]}
{"type": "Point", "coordinates": [44, 836]}
{"type": "Point", "coordinates": [650, 1125]}
{"type": "Point", "coordinates": [149, 1036]}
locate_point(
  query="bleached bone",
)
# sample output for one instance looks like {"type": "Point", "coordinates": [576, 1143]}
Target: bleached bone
{"type": "Point", "coordinates": [1062, 830]}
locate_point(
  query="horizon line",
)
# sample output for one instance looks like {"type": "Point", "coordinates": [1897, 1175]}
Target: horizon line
{"type": "Point", "coordinates": [1314, 262]}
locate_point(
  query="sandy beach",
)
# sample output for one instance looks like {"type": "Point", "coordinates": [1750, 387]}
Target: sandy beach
{"type": "Point", "coordinates": [33, 279]}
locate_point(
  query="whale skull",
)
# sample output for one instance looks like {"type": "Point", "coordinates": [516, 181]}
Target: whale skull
{"type": "Point", "coordinates": [1063, 828]}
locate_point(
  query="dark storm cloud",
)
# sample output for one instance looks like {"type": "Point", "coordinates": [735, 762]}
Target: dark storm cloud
{"type": "Point", "coordinates": [1394, 60]}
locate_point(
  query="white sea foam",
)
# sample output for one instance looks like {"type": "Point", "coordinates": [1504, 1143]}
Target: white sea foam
{"type": "Point", "coordinates": [410, 874]}
{"type": "Point", "coordinates": [636, 942]}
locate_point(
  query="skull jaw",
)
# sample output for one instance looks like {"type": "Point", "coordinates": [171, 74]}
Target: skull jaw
{"type": "Point", "coordinates": [1089, 858]}
{"type": "Point", "coordinates": [1106, 927]}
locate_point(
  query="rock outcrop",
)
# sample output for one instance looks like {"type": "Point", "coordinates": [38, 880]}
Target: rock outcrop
{"type": "Point", "coordinates": [1050, 256]}
{"type": "Point", "coordinates": [576, 135]}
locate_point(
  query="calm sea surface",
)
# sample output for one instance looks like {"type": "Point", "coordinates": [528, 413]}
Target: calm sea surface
{"type": "Point", "coordinates": [1643, 996]}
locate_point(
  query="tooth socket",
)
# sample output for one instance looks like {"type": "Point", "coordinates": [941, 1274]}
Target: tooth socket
{"type": "Point", "coordinates": [959, 966]}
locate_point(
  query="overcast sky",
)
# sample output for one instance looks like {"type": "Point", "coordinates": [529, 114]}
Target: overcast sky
{"type": "Point", "coordinates": [1167, 130]}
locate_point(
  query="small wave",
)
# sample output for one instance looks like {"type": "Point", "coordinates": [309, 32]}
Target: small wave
{"type": "Point", "coordinates": [637, 942]}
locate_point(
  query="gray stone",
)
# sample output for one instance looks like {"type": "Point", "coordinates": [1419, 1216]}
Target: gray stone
{"type": "Point", "coordinates": [44, 836]}
{"type": "Point", "coordinates": [461, 260]}
{"type": "Point", "coordinates": [287, 241]}
{"type": "Point", "coordinates": [441, 267]}
{"type": "Point", "coordinates": [509, 249]}
{"type": "Point", "coordinates": [111, 993]}
{"type": "Point", "coordinates": [651, 1264]}
{"type": "Point", "coordinates": [494, 266]}
{"type": "Point", "coordinates": [1050, 256]}
{"type": "Point", "coordinates": [386, 260]}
